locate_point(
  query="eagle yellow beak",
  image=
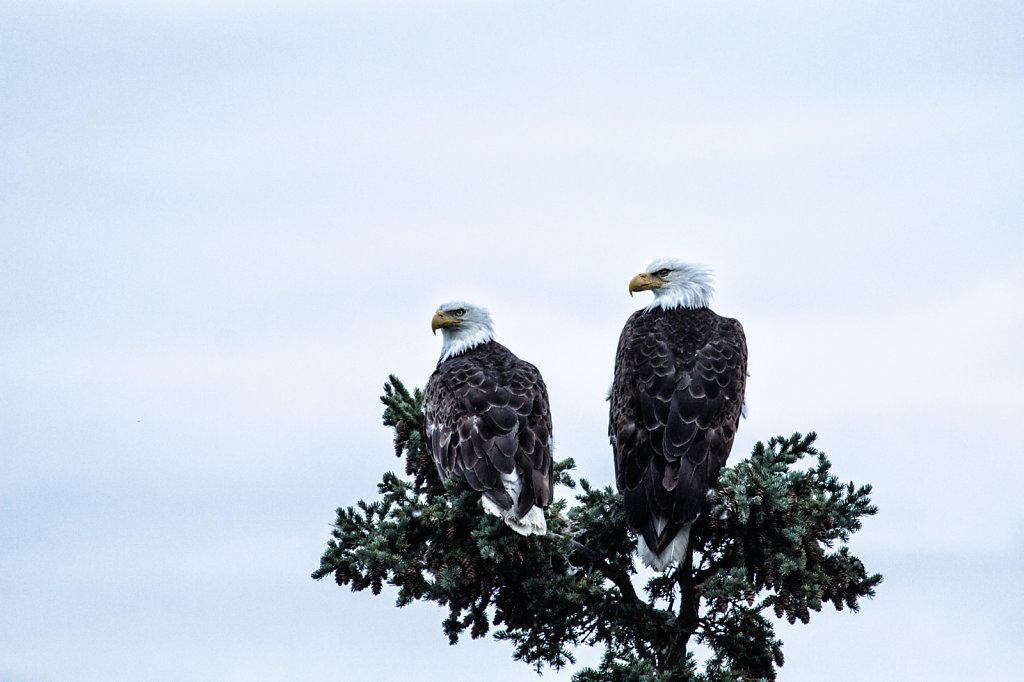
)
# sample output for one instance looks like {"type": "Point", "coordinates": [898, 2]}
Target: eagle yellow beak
{"type": "Point", "coordinates": [643, 282]}
{"type": "Point", "coordinates": [440, 320]}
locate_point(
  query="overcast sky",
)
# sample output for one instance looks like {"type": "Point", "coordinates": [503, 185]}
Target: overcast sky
{"type": "Point", "coordinates": [223, 224]}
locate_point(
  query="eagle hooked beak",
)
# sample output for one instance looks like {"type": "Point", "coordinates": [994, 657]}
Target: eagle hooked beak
{"type": "Point", "coordinates": [440, 321]}
{"type": "Point", "coordinates": [643, 282]}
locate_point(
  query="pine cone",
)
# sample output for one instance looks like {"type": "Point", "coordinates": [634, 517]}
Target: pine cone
{"type": "Point", "coordinates": [411, 576]}
{"type": "Point", "coordinates": [341, 575]}
{"type": "Point", "coordinates": [402, 432]}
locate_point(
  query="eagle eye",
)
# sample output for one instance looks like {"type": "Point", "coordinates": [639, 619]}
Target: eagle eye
{"type": "Point", "coordinates": [663, 272]}
{"type": "Point", "coordinates": [459, 312]}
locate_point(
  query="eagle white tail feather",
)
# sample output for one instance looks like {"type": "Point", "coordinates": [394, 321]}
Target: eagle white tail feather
{"type": "Point", "coordinates": [674, 553]}
{"type": "Point", "coordinates": [533, 522]}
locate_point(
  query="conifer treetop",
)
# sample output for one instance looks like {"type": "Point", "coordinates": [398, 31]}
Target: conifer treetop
{"type": "Point", "coordinates": [773, 543]}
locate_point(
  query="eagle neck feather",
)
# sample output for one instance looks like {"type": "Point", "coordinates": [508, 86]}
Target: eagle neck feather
{"type": "Point", "coordinates": [457, 343]}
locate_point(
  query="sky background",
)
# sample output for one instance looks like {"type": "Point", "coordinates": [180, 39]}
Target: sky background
{"type": "Point", "coordinates": [223, 224]}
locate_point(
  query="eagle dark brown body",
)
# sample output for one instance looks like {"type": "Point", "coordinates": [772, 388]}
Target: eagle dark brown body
{"type": "Point", "coordinates": [676, 401]}
{"type": "Point", "coordinates": [488, 423]}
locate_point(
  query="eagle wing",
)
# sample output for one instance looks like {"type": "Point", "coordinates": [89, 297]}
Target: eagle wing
{"type": "Point", "coordinates": [488, 421]}
{"type": "Point", "coordinates": [674, 414]}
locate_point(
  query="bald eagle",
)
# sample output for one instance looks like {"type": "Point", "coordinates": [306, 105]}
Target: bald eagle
{"type": "Point", "coordinates": [676, 400]}
{"type": "Point", "coordinates": [487, 419]}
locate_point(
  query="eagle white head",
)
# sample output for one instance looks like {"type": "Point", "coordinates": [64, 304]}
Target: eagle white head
{"type": "Point", "coordinates": [463, 326]}
{"type": "Point", "coordinates": [675, 284]}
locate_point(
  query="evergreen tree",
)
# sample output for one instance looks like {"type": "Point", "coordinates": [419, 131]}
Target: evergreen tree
{"type": "Point", "coordinates": [772, 540]}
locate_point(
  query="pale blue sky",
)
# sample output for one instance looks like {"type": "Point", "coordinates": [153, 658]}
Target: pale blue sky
{"type": "Point", "coordinates": [222, 225]}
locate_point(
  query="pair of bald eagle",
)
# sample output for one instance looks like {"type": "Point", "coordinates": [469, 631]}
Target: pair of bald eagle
{"type": "Point", "coordinates": [675, 402]}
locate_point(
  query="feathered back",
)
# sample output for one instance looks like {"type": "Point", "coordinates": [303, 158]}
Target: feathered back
{"type": "Point", "coordinates": [488, 423]}
{"type": "Point", "coordinates": [676, 400]}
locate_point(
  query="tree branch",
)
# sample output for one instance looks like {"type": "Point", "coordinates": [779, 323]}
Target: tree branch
{"type": "Point", "coordinates": [591, 558]}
